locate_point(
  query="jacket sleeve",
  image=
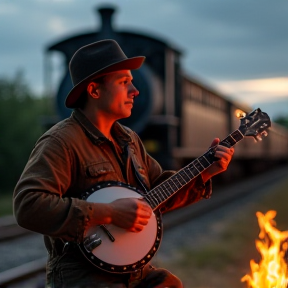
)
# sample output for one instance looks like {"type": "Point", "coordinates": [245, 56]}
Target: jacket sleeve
{"type": "Point", "coordinates": [192, 192]}
{"type": "Point", "coordinates": [39, 204]}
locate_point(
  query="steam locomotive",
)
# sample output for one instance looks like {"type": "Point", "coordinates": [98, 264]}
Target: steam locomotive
{"type": "Point", "coordinates": [175, 115]}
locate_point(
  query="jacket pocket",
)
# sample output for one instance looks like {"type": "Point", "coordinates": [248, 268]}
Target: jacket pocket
{"type": "Point", "coordinates": [99, 169]}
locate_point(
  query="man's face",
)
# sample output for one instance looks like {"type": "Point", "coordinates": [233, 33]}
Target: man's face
{"type": "Point", "coordinates": [117, 95]}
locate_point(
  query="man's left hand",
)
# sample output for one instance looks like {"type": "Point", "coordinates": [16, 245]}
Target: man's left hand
{"type": "Point", "coordinates": [224, 156]}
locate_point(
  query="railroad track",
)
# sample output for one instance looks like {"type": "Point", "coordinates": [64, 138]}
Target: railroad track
{"type": "Point", "coordinates": [35, 269]}
{"type": "Point", "coordinates": [10, 230]}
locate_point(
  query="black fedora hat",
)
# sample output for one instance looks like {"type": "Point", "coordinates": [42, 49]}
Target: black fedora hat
{"type": "Point", "coordinates": [94, 60]}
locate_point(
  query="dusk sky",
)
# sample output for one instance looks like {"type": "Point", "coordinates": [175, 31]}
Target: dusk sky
{"type": "Point", "coordinates": [239, 48]}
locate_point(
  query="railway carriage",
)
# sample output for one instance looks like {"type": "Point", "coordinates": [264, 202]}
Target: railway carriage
{"type": "Point", "coordinates": [176, 116]}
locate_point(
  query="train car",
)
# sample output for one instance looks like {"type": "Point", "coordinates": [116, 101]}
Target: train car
{"type": "Point", "coordinates": [176, 115]}
{"type": "Point", "coordinates": [207, 114]}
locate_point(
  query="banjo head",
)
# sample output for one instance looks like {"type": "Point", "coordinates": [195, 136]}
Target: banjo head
{"type": "Point", "coordinates": [125, 251]}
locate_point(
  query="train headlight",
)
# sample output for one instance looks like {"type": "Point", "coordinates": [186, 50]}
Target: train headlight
{"type": "Point", "coordinates": [239, 113]}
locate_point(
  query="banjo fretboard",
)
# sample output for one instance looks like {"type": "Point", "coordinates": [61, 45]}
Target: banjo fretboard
{"type": "Point", "coordinates": [169, 187]}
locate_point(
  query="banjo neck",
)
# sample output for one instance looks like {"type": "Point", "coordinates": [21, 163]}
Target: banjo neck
{"type": "Point", "coordinates": [169, 187]}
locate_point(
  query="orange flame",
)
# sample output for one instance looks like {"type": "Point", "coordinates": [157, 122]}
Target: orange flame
{"type": "Point", "coordinates": [271, 272]}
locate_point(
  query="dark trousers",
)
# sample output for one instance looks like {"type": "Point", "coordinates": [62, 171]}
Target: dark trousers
{"type": "Point", "coordinates": [72, 270]}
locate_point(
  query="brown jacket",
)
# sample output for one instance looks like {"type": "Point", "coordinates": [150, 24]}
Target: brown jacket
{"type": "Point", "coordinates": [71, 157]}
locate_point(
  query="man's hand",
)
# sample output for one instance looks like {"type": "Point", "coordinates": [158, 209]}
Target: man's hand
{"type": "Point", "coordinates": [224, 156]}
{"type": "Point", "coordinates": [130, 213]}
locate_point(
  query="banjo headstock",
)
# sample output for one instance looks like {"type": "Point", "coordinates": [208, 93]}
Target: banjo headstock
{"type": "Point", "coordinates": [255, 124]}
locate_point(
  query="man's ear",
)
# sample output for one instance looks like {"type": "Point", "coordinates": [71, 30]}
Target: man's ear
{"type": "Point", "coordinates": [92, 90]}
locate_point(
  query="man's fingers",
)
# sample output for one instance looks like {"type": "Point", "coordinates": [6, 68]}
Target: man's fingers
{"type": "Point", "coordinates": [143, 221]}
{"type": "Point", "coordinates": [224, 155]}
{"type": "Point", "coordinates": [215, 142]}
{"type": "Point", "coordinates": [144, 208]}
{"type": "Point", "coordinates": [144, 214]}
{"type": "Point", "coordinates": [137, 227]}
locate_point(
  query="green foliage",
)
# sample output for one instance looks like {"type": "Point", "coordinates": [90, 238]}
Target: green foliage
{"type": "Point", "coordinates": [6, 203]}
{"type": "Point", "coordinates": [20, 115]}
{"type": "Point", "coordinates": [282, 120]}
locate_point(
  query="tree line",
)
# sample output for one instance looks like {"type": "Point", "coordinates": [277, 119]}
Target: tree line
{"type": "Point", "coordinates": [20, 127]}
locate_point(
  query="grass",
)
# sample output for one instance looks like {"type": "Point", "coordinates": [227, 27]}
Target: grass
{"type": "Point", "coordinates": [5, 203]}
{"type": "Point", "coordinates": [222, 263]}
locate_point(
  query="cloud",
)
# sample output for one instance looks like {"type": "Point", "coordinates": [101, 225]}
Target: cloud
{"type": "Point", "coordinates": [57, 25]}
{"type": "Point", "coordinates": [256, 90]}
{"type": "Point", "coordinates": [8, 9]}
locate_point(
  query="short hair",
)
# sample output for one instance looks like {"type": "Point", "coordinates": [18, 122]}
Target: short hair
{"type": "Point", "coordinates": [82, 100]}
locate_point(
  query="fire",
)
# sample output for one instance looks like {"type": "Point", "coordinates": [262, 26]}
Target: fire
{"type": "Point", "coordinates": [271, 272]}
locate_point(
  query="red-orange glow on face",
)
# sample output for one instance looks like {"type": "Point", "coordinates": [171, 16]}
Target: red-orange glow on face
{"type": "Point", "coordinates": [117, 95]}
{"type": "Point", "coordinates": [271, 272]}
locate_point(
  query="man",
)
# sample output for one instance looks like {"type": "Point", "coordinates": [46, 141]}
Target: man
{"type": "Point", "coordinates": [92, 147]}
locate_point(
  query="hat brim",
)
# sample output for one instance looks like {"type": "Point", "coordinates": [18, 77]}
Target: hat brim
{"type": "Point", "coordinates": [127, 64]}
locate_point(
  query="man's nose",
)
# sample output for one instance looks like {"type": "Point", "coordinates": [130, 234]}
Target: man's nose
{"type": "Point", "coordinates": [134, 91]}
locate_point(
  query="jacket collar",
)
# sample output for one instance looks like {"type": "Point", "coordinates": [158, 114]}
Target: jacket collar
{"type": "Point", "coordinates": [120, 132]}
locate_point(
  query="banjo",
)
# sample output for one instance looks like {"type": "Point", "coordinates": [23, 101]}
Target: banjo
{"type": "Point", "coordinates": [116, 250]}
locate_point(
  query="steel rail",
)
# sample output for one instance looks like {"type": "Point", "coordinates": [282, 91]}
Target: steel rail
{"type": "Point", "coordinates": [9, 229]}
{"type": "Point", "coordinates": [22, 272]}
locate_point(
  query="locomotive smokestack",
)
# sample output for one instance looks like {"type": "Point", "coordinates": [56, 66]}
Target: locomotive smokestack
{"type": "Point", "coordinates": [106, 18]}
